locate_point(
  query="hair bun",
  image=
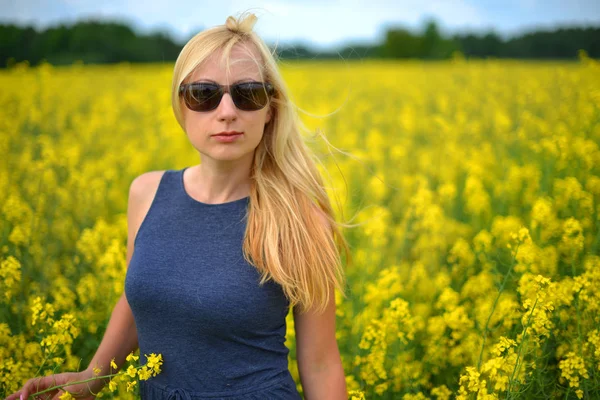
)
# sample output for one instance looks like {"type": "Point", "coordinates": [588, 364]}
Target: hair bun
{"type": "Point", "coordinates": [242, 25]}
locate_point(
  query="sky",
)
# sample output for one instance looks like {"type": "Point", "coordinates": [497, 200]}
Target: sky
{"type": "Point", "coordinates": [322, 24]}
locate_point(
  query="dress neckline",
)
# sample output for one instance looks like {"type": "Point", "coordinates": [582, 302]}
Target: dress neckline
{"type": "Point", "coordinates": [200, 203]}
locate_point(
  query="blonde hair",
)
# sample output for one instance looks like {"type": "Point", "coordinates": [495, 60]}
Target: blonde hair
{"type": "Point", "coordinates": [285, 238]}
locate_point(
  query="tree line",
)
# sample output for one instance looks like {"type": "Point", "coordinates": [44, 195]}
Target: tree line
{"type": "Point", "coordinates": [95, 42]}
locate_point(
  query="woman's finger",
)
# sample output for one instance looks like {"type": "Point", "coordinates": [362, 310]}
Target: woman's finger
{"type": "Point", "coordinates": [14, 396]}
{"type": "Point", "coordinates": [36, 385]}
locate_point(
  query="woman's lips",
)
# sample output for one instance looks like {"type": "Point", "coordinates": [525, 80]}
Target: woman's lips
{"type": "Point", "coordinates": [227, 137]}
{"type": "Point", "coordinates": [228, 133]}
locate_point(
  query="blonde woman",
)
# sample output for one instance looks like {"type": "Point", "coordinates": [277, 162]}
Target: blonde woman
{"type": "Point", "coordinates": [224, 248]}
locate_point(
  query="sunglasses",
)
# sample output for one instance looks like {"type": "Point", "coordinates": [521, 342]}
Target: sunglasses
{"type": "Point", "coordinates": [206, 96]}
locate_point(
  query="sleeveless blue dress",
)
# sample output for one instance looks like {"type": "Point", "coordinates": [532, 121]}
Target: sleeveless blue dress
{"type": "Point", "coordinates": [196, 301]}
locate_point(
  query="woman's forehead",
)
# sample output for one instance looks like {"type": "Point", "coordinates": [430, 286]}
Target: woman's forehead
{"type": "Point", "coordinates": [243, 62]}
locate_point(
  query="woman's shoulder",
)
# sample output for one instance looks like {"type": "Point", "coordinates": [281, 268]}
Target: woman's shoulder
{"type": "Point", "coordinates": [147, 182]}
{"type": "Point", "coordinates": [141, 195]}
{"type": "Point", "coordinates": [144, 186]}
{"type": "Point", "coordinates": [142, 190]}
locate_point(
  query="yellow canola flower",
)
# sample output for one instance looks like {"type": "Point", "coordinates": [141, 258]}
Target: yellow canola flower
{"type": "Point", "coordinates": [154, 363]}
{"type": "Point", "coordinates": [356, 395]}
{"type": "Point", "coordinates": [573, 369]}
{"type": "Point", "coordinates": [130, 385]}
{"type": "Point", "coordinates": [132, 371]}
{"type": "Point", "coordinates": [66, 396]}
{"type": "Point", "coordinates": [144, 373]}
{"type": "Point", "coordinates": [10, 275]}
{"type": "Point", "coordinates": [132, 357]}
{"type": "Point", "coordinates": [441, 392]}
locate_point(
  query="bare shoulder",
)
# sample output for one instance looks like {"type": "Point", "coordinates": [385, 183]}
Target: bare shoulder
{"type": "Point", "coordinates": [141, 194]}
{"type": "Point", "coordinates": [144, 186]}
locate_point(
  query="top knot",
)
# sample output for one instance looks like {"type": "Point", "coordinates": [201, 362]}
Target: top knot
{"type": "Point", "coordinates": [242, 25]}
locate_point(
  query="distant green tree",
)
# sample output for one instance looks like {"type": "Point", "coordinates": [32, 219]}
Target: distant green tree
{"type": "Point", "coordinates": [400, 43]}
{"type": "Point", "coordinates": [109, 42]}
{"type": "Point", "coordinates": [431, 41]}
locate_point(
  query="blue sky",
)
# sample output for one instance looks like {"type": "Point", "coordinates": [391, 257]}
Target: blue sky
{"type": "Point", "coordinates": [322, 24]}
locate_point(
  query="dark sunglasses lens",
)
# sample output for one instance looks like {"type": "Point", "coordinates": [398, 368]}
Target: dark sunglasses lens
{"type": "Point", "coordinates": [202, 97]}
{"type": "Point", "coordinates": [249, 96]}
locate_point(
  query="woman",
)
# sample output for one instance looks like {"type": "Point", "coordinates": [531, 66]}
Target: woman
{"type": "Point", "coordinates": [224, 248]}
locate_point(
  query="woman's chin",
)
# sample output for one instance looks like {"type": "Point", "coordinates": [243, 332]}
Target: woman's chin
{"type": "Point", "coordinates": [227, 155]}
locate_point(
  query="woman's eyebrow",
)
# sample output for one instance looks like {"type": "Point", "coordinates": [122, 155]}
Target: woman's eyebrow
{"type": "Point", "coordinates": [237, 81]}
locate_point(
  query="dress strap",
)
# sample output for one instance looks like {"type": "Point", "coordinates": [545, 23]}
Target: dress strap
{"type": "Point", "coordinates": [160, 202]}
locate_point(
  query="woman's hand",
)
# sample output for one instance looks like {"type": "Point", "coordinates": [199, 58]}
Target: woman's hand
{"type": "Point", "coordinates": [83, 391]}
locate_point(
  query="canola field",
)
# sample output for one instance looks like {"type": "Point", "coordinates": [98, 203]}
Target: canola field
{"type": "Point", "coordinates": [474, 188]}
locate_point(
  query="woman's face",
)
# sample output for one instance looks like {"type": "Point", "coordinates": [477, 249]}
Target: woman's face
{"type": "Point", "coordinates": [202, 126]}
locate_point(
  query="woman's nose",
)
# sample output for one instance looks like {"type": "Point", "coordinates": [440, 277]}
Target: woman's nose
{"type": "Point", "coordinates": [226, 109]}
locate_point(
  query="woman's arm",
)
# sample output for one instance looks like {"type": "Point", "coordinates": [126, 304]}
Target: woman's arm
{"type": "Point", "coordinates": [319, 362]}
{"type": "Point", "coordinates": [120, 337]}
{"type": "Point", "coordinates": [119, 340]}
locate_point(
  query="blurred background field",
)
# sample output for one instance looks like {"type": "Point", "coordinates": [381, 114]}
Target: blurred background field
{"type": "Point", "coordinates": [476, 185]}
{"type": "Point", "coordinates": [462, 140]}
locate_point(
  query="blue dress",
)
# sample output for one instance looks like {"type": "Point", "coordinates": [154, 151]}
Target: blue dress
{"type": "Point", "coordinates": [196, 301]}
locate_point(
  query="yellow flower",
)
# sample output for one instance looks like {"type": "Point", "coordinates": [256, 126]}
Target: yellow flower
{"type": "Point", "coordinates": [113, 365]}
{"type": "Point", "coordinates": [132, 357]}
{"type": "Point", "coordinates": [144, 373]}
{"type": "Point", "coordinates": [442, 392]}
{"type": "Point", "coordinates": [131, 371]}
{"type": "Point", "coordinates": [66, 396]}
{"type": "Point", "coordinates": [112, 385]}
{"type": "Point", "coordinates": [573, 368]}
{"type": "Point", "coordinates": [130, 385]}
{"type": "Point", "coordinates": [97, 371]}
{"type": "Point", "coordinates": [356, 395]}
{"type": "Point", "coordinates": [154, 362]}
{"type": "Point", "coordinates": [10, 275]}
{"type": "Point", "coordinates": [470, 380]}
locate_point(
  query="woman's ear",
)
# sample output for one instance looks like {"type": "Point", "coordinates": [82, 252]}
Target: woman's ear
{"type": "Point", "coordinates": [269, 115]}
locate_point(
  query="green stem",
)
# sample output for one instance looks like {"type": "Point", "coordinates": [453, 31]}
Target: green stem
{"type": "Point", "coordinates": [519, 349]}
{"type": "Point", "coordinates": [45, 359]}
{"type": "Point", "coordinates": [486, 329]}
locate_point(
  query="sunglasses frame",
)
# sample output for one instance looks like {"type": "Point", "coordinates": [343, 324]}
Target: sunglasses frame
{"type": "Point", "coordinates": [226, 89]}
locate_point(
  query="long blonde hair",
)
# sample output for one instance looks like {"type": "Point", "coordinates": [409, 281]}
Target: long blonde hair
{"type": "Point", "coordinates": [286, 238]}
